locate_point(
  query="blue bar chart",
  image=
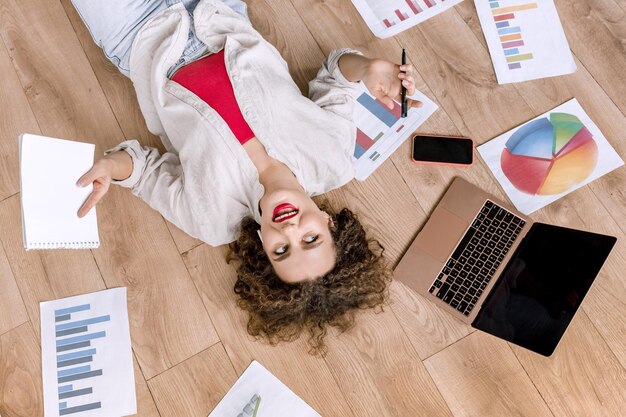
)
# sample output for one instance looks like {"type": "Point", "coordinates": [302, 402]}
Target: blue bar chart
{"type": "Point", "coordinates": [66, 363]}
{"type": "Point", "coordinates": [86, 357]}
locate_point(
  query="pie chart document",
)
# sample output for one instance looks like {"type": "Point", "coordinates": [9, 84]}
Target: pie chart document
{"type": "Point", "coordinates": [549, 156]}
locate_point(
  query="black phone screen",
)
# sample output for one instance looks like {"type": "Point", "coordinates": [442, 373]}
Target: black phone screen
{"type": "Point", "coordinates": [443, 149]}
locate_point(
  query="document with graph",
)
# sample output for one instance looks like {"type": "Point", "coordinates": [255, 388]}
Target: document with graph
{"type": "Point", "coordinates": [87, 363]}
{"type": "Point", "coordinates": [386, 18]}
{"type": "Point", "coordinates": [525, 38]}
{"type": "Point", "coordinates": [381, 130]}
{"type": "Point", "coordinates": [258, 393]}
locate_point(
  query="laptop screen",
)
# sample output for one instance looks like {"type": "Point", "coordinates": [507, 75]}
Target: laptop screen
{"type": "Point", "coordinates": [543, 285]}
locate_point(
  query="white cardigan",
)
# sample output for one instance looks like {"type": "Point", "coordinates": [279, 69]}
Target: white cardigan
{"type": "Point", "coordinates": [205, 183]}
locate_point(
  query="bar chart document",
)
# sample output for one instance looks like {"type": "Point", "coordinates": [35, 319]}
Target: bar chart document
{"type": "Point", "coordinates": [381, 130]}
{"type": "Point", "coordinates": [386, 18]}
{"type": "Point", "coordinates": [258, 393]}
{"type": "Point", "coordinates": [87, 365]}
{"type": "Point", "coordinates": [526, 40]}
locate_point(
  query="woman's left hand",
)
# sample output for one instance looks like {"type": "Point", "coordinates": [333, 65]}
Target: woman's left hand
{"type": "Point", "coordinates": [384, 80]}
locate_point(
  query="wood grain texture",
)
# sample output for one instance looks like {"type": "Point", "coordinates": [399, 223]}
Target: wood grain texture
{"type": "Point", "coordinates": [145, 402]}
{"type": "Point", "coordinates": [480, 376]}
{"type": "Point", "coordinates": [392, 379]}
{"type": "Point", "coordinates": [12, 309]}
{"type": "Point", "coordinates": [590, 23]}
{"type": "Point", "coordinates": [16, 118]}
{"type": "Point", "coordinates": [194, 387]}
{"type": "Point", "coordinates": [21, 394]}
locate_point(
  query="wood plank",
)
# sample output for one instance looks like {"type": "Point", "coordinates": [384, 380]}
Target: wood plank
{"type": "Point", "coordinates": [582, 378]}
{"type": "Point", "coordinates": [20, 373]}
{"type": "Point", "coordinates": [137, 250]}
{"type": "Point", "coordinates": [12, 309]}
{"type": "Point", "coordinates": [43, 275]}
{"type": "Point", "coordinates": [480, 376]}
{"type": "Point", "coordinates": [15, 119]}
{"type": "Point", "coordinates": [194, 387]}
{"type": "Point", "coordinates": [590, 23]}
{"type": "Point", "coordinates": [145, 403]}
{"type": "Point", "coordinates": [306, 375]}
{"type": "Point", "coordinates": [392, 379]}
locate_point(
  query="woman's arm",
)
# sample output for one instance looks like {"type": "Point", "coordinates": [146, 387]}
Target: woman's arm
{"type": "Point", "coordinates": [336, 80]}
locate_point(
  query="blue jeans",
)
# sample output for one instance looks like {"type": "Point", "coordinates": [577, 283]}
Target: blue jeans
{"type": "Point", "coordinates": [113, 25]}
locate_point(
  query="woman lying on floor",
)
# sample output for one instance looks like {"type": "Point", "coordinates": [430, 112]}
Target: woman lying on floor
{"type": "Point", "coordinates": [245, 151]}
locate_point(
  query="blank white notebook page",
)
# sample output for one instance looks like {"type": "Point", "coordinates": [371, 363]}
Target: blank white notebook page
{"type": "Point", "coordinates": [49, 170]}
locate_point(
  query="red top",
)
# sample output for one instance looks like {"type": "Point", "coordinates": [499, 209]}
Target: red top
{"type": "Point", "coordinates": [207, 78]}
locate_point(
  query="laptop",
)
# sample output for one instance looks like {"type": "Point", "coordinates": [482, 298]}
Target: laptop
{"type": "Point", "coordinates": [500, 272]}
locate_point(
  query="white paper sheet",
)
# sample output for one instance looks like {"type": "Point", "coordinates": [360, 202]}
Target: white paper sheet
{"type": "Point", "coordinates": [381, 130]}
{"type": "Point", "coordinates": [87, 365]}
{"type": "Point", "coordinates": [549, 157]}
{"type": "Point", "coordinates": [386, 18]}
{"type": "Point", "coordinates": [525, 38]}
{"type": "Point", "coordinates": [49, 169]}
{"type": "Point", "coordinates": [275, 399]}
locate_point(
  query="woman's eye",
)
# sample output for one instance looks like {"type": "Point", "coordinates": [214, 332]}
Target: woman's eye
{"type": "Point", "coordinates": [281, 250]}
{"type": "Point", "coordinates": [311, 238]}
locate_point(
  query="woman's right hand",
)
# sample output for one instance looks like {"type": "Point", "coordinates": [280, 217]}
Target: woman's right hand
{"type": "Point", "coordinates": [100, 175]}
{"type": "Point", "coordinates": [117, 165]}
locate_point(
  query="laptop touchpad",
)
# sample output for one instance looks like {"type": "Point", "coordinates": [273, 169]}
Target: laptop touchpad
{"type": "Point", "coordinates": [441, 234]}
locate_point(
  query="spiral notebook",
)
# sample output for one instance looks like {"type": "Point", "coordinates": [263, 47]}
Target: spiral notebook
{"type": "Point", "coordinates": [49, 169]}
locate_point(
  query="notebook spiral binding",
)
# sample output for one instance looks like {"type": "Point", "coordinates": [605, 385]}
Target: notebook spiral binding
{"type": "Point", "coordinates": [64, 245]}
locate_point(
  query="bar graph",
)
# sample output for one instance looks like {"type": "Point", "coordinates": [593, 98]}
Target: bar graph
{"type": "Point", "coordinates": [371, 129]}
{"type": "Point", "coordinates": [510, 36]}
{"type": "Point", "coordinates": [67, 371]}
{"type": "Point", "coordinates": [525, 38]}
{"type": "Point", "coordinates": [389, 17]}
{"type": "Point", "coordinates": [380, 129]}
{"type": "Point", "coordinates": [86, 357]}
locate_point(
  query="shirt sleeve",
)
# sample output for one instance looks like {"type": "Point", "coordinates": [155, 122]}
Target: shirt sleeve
{"type": "Point", "coordinates": [159, 180]}
{"type": "Point", "coordinates": [330, 89]}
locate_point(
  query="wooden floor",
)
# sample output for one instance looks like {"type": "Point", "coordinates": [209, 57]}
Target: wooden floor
{"type": "Point", "coordinates": [188, 336]}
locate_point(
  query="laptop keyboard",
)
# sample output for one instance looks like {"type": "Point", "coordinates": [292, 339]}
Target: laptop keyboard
{"type": "Point", "coordinates": [474, 262]}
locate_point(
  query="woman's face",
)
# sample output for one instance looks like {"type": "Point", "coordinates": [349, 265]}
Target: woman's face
{"type": "Point", "coordinates": [296, 236]}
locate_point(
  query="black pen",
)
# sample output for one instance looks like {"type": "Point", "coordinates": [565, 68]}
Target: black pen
{"type": "Point", "coordinates": [403, 94]}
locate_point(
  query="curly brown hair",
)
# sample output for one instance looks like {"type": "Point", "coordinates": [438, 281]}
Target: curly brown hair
{"type": "Point", "coordinates": [280, 311]}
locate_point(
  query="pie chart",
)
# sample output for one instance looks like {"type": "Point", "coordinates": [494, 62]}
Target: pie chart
{"type": "Point", "coordinates": [548, 156]}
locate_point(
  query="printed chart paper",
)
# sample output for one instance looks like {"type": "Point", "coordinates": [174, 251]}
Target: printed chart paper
{"type": "Point", "coordinates": [258, 393]}
{"type": "Point", "coordinates": [386, 18]}
{"type": "Point", "coordinates": [86, 357]}
{"type": "Point", "coordinates": [381, 130]}
{"type": "Point", "coordinates": [525, 38]}
{"type": "Point", "coordinates": [549, 157]}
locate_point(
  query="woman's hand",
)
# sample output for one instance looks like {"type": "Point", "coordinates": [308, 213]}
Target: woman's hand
{"type": "Point", "coordinates": [385, 79]}
{"type": "Point", "coordinates": [113, 166]}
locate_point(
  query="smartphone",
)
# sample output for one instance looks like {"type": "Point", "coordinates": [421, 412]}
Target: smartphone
{"type": "Point", "coordinates": [448, 150]}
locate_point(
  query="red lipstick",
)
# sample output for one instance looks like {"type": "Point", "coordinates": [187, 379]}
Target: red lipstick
{"type": "Point", "coordinates": [284, 212]}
